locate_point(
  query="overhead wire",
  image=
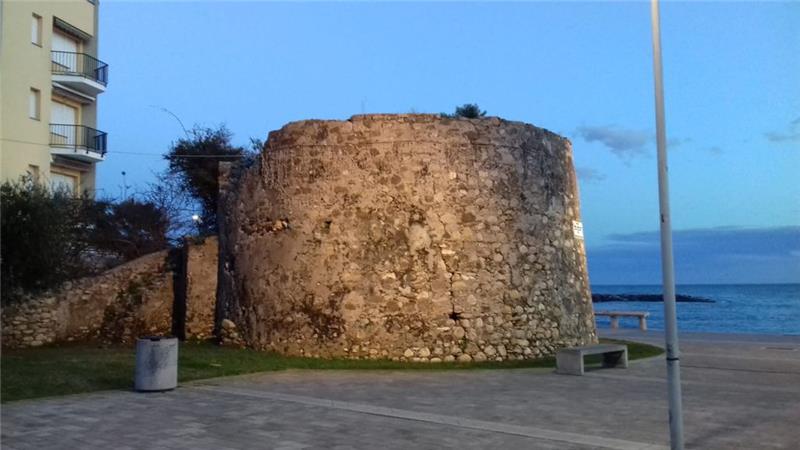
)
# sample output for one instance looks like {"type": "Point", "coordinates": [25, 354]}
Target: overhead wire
{"type": "Point", "coordinates": [136, 153]}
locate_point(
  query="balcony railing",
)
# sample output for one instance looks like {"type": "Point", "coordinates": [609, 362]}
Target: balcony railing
{"type": "Point", "coordinates": [79, 64]}
{"type": "Point", "coordinates": [78, 137]}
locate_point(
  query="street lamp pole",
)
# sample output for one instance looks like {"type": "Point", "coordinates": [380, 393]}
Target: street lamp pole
{"type": "Point", "coordinates": [667, 263]}
{"type": "Point", "coordinates": [124, 187]}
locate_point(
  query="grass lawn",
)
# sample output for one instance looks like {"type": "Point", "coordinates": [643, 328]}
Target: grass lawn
{"type": "Point", "coordinates": [77, 368]}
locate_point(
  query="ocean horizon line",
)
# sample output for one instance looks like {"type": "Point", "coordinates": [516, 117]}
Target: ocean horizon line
{"type": "Point", "coordinates": [693, 284]}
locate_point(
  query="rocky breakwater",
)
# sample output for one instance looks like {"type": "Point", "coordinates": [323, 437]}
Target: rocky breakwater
{"type": "Point", "coordinates": [410, 237]}
{"type": "Point", "coordinates": [605, 298]}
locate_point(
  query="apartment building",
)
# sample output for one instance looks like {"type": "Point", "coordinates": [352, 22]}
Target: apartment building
{"type": "Point", "coordinates": [50, 79]}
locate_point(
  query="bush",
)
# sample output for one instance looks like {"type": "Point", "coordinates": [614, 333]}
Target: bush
{"type": "Point", "coordinates": [128, 229]}
{"type": "Point", "coordinates": [467, 111]}
{"type": "Point", "coordinates": [41, 237]}
{"type": "Point", "coordinates": [51, 236]}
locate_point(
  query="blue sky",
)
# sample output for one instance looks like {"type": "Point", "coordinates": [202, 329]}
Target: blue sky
{"type": "Point", "coordinates": [583, 70]}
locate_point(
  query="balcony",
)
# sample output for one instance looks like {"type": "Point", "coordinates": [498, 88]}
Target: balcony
{"type": "Point", "coordinates": [79, 71]}
{"type": "Point", "coordinates": [77, 142]}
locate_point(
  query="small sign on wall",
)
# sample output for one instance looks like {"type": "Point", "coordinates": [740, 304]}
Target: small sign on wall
{"type": "Point", "coordinates": [577, 229]}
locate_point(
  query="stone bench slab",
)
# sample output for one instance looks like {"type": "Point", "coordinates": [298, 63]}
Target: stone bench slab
{"type": "Point", "coordinates": [622, 313]}
{"type": "Point", "coordinates": [615, 315]}
{"type": "Point", "coordinates": [569, 361]}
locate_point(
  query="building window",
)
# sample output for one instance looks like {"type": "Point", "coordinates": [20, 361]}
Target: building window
{"type": "Point", "coordinates": [36, 30]}
{"type": "Point", "coordinates": [33, 173]}
{"type": "Point", "coordinates": [64, 182]}
{"type": "Point", "coordinates": [34, 104]}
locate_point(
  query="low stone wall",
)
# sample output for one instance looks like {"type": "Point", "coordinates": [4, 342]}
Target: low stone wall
{"type": "Point", "coordinates": [201, 288]}
{"type": "Point", "coordinates": [133, 299]}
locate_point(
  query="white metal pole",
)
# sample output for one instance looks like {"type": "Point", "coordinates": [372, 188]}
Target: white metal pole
{"type": "Point", "coordinates": [667, 263]}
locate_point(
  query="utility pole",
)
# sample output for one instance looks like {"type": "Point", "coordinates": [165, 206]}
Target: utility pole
{"type": "Point", "coordinates": [667, 263]}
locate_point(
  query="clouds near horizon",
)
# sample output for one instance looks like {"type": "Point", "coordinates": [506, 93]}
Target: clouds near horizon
{"type": "Point", "coordinates": [709, 255]}
{"type": "Point", "coordinates": [790, 134]}
{"type": "Point", "coordinates": [624, 143]}
{"type": "Point", "coordinates": [589, 174]}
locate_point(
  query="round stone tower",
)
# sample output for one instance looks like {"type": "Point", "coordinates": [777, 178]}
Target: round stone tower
{"type": "Point", "coordinates": [411, 237]}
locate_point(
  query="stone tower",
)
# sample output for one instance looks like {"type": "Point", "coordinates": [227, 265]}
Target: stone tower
{"type": "Point", "coordinates": [411, 237]}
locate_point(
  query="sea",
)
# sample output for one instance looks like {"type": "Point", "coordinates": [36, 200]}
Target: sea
{"type": "Point", "coordinates": [737, 308]}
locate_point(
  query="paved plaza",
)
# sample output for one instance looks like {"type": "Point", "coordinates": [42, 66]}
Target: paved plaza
{"type": "Point", "coordinates": [739, 392]}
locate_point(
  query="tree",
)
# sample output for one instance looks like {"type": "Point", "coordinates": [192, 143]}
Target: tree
{"type": "Point", "coordinates": [167, 195]}
{"type": "Point", "coordinates": [195, 161]}
{"type": "Point", "coordinates": [129, 229]}
{"type": "Point", "coordinates": [467, 111]}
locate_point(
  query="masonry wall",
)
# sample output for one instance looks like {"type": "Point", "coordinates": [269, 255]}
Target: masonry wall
{"type": "Point", "coordinates": [201, 288]}
{"type": "Point", "coordinates": [409, 237]}
{"type": "Point", "coordinates": [127, 301]}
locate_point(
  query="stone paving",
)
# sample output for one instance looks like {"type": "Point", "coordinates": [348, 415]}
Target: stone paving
{"type": "Point", "coordinates": [739, 392]}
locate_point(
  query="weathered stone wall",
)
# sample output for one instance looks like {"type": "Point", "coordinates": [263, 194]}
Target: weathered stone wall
{"type": "Point", "coordinates": [201, 288]}
{"type": "Point", "coordinates": [130, 300]}
{"type": "Point", "coordinates": [410, 237]}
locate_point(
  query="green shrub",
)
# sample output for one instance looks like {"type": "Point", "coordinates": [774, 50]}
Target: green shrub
{"type": "Point", "coordinates": [51, 236]}
{"type": "Point", "coordinates": [467, 111]}
{"type": "Point", "coordinates": [41, 237]}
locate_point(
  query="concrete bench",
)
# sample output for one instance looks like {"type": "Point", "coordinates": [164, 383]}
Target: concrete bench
{"type": "Point", "coordinates": [569, 361]}
{"type": "Point", "coordinates": [615, 315]}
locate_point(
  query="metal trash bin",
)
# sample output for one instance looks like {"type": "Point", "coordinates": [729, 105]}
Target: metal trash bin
{"type": "Point", "coordinates": [156, 364]}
